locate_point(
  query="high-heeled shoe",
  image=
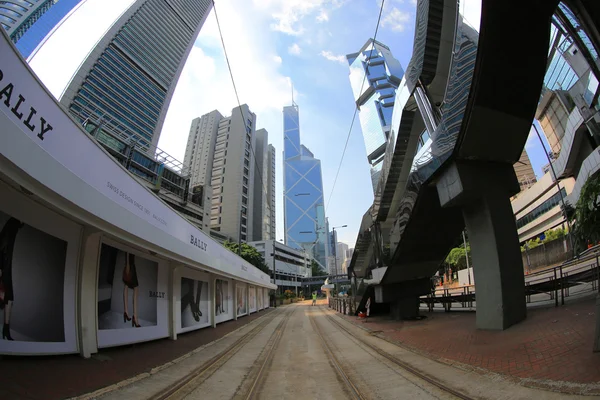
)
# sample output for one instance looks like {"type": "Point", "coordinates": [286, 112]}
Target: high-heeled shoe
{"type": "Point", "coordinates": [134, 323]}
{"type": "Point", "coordinates": [126, 317]}
{"type": "Point", "coordinates": [6, 332]}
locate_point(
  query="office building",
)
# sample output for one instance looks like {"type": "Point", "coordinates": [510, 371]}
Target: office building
{"type": "Point", "coordinates": [127, 81]}
{"type": "Point", "coordinates": [41, 24]}
{"type": "Point", "coordinates": [570, 119]}
{"type": "Point", "coordinates": [264, 188]}
{"type": "Point", "coordinates": [220, 157]}
{"type": "Point", "coordinates": [291, 265]}
{"type": "Point", "coordinates": [340, 257]}
{"type": "Point", "coordinates": [271, 158]}
{"type": "Point", "coordinates": [524, 171]}
{"type": "Point", "coordinates": [374, 97]}
{"type": "Point", "coordinates": [18, 16]}
{"type": "Point", "coordinates": [304, 207]}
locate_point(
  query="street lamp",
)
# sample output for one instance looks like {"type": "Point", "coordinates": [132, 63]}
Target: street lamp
{"type": "Point", "coordinates": [335, 254]}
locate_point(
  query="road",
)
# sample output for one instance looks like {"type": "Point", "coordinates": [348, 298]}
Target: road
{"type": "Point", "coordinates": [301, 351]}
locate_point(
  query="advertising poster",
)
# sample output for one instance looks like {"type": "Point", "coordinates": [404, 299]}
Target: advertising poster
{"type": "Point", "coordinates": [32, 276]}
{"type": "Point", "coordinates": [252, 295]}
{"type": "Point", "coordinates": [127, 290]}
{"type": "Point", "coordinates": [260, 299]}
{"type": "Point", "coordinates": [221, 297]}
{"type": "Point", "coordinates": [194, 302]}
{"type": "Point", "coordinates": [242, 307]}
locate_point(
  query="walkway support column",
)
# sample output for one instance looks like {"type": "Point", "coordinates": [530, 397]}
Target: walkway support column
{"type": "Point", "coordinates": [86, 292]}
{"type": "Point", "coordinates": [483, 191]}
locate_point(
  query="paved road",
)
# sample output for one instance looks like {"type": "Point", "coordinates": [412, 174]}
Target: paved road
{"type": "Point", "coordinates": [300, 351]}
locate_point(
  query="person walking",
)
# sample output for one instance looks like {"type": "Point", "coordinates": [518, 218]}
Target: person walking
{"type": "Point", "coordinates": [314, 298]}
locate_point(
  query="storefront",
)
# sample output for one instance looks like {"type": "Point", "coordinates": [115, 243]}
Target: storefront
{"type": "Point", "coordinates": [90, 258]}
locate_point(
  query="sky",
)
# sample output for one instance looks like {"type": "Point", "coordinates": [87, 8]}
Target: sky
{"type": "Point", "coordinates": [273, 45]}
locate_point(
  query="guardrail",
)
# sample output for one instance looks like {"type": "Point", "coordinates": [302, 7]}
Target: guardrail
{"type": "Point", "coordinates": [576, 278]}
{"type": "Point", "coordinates": [345, 305]}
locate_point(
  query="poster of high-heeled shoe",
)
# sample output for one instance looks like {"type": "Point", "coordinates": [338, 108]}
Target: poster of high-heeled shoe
{"type": "Point", "coordinates": [242, 307]}
{"type": "Point", "coordinates": [127, 290]}
{"type": "Point", "coordinates": [194, 303]}
{"type": "Point", "coordinates": [222, 299]}
{"type": "Point", "coordinates": [32, 275]}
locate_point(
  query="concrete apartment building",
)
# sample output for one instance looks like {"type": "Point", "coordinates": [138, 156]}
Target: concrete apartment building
{"type": "Point", "coordinates": [220, 155]}
{"type": "Point", "coordinates": [291, 265]}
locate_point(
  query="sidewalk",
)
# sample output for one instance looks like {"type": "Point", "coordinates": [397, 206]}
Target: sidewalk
{"type": "Point", "coordinates": [552, 348]}
{"type": "Point", "coordinates": [59, 377]}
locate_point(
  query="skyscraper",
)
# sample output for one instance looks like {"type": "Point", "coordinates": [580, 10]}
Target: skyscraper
{"type": "Point", "coordinates": [17, 16]}
{"type": "Point", "coordinates": [219, 153]}
{"type": "Point", "coordinates": [43, 24]}
{"type": "Point", "coordinates": [271, 193]}
{"type": "Point", "coordinates": [304, 207]}
{"type": "Point", "coordinates": [376, 99]}
{"type": "Point", "coordinates": [264, 188]}
{"type": "Point", "coordinates": [128, 79]}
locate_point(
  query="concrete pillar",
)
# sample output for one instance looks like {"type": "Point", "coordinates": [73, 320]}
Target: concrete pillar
{"type": "Point", "coordinates": [86, 292]}
{"type": "Point", "coordinates": [173, 275]}
{"type": "Point", "coordinates": [235, 300]}
{"type": "Point", "coordinates": [405, 308]}
{"type": "Point", "coordinates": [497, 261]}
{"type": "Point", "coordinates": [213, 296]}
{"type": "Point", "coordinates": [483, 190]}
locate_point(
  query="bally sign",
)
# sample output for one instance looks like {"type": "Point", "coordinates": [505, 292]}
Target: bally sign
{"type": "Point", "coordinates": [32, 122]}
{"type": "Point", "coordinates": [74, 166]}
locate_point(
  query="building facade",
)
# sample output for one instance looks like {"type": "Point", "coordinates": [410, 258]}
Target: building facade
{"type": "Point", "coordinates": [264, 188]}
{"type": "Point", "coordinates": [18, 16]}
{"type": "Point", "coordinates": [271, 173]}
{"type": "Point", "coordinates": [291, 265]}
{"type": "Point", "coordinates": [304, 207]}
{"type": "Point", "coordinates": [220, 155]}
{"type": "Point", "coordinates": [43, 24]}
{"type": "Point", "coordinates": [128, 79]}
{"type": "Point", "coordinates": [374, 97]}
{"type": "Point", "coordinates": [524, 171]}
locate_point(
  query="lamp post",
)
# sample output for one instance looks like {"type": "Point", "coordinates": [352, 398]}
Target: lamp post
{"type": "Point", "coordinates": [335, 254]}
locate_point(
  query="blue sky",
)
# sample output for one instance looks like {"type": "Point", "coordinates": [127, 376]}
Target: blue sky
{"type": "Point", "coordinates": [272, 44]}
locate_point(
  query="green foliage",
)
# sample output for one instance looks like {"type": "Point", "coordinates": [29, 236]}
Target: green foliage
{"type": "Point", "coordinates": [249, 254]}
{"type": "Point", "coordinates": [457, 259]}
{"type": "Point", "coordinates": [587, 213]}
{"type": "Point", "coordinates": [553, 234]}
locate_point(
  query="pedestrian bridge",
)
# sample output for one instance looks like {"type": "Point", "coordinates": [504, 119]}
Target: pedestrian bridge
{"type": "Point", "coordinates": [461, 119]}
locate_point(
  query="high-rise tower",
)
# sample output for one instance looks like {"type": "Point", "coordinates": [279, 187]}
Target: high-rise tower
{"type": "Point", "coordinates": [128, 79]}
{"type": "Point", "coordinates": [304, 206]}
{"type": "Point", "coordinates": [376, 99]}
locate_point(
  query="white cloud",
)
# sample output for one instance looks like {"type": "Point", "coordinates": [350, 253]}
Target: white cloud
{"type": "Point", "coordinates": [289, 14]}
{"type": "Point", "coordinates": [294, 49]}
{"type": "Point", "coordinates": [396, 20]}
{"type": "Point", "coordinates": [277, 59]}
{"type": "Point", "coordinates": [323, 16]}
{"type": "Point", "coordinates": [332, 57]}
{"type": "Point", "coordinates": [414, 2]}
{"type": "Point", "coordinates": [471, 10]}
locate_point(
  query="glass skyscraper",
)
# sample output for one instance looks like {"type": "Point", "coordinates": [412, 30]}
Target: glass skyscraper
{"type": "Point", "coordinates": [304, 206]}
{"type": "Point", "coordinates": [17, 16]}
{"type": "Point", "coordinates": [127, 81]}
{"type": "Point", "coordinates": [376, 99]}
{"type": "Point", "coordinates": [32, 37]}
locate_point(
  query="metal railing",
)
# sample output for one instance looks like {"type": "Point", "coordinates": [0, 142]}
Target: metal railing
{"type": "Point", "coordinates": [577, 278]}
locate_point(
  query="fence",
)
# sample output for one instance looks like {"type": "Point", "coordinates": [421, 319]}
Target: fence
{"type": "Point", "coordinates": [574, 279]}
{"type": "Point", "coordinates": [546, 254]}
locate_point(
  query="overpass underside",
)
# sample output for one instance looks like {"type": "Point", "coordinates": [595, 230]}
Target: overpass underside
{"type": "Point", "coordinates": [473, 90]}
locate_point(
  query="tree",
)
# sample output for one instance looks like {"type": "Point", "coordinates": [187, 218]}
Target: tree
{"type": "Point", "coordinates": [587, 213]}
{"type": "Point", "coordinates": [249, 254]}
{"type": "Point", "coordinates": [457, 260]}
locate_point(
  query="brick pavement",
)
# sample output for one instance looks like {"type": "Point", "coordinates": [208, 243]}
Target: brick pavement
{"type": "Point", "coordinates": [58, 377]}
{"type": "Point", "coordinates": [552, 344]}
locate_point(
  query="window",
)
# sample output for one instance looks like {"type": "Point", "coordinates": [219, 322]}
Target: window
{"type": "Point", "coordinates": [244, 200]}
{"type": "Point", "coordinates": [246, 172]}
{"type": "Point", "coordinates": [244, 190]}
